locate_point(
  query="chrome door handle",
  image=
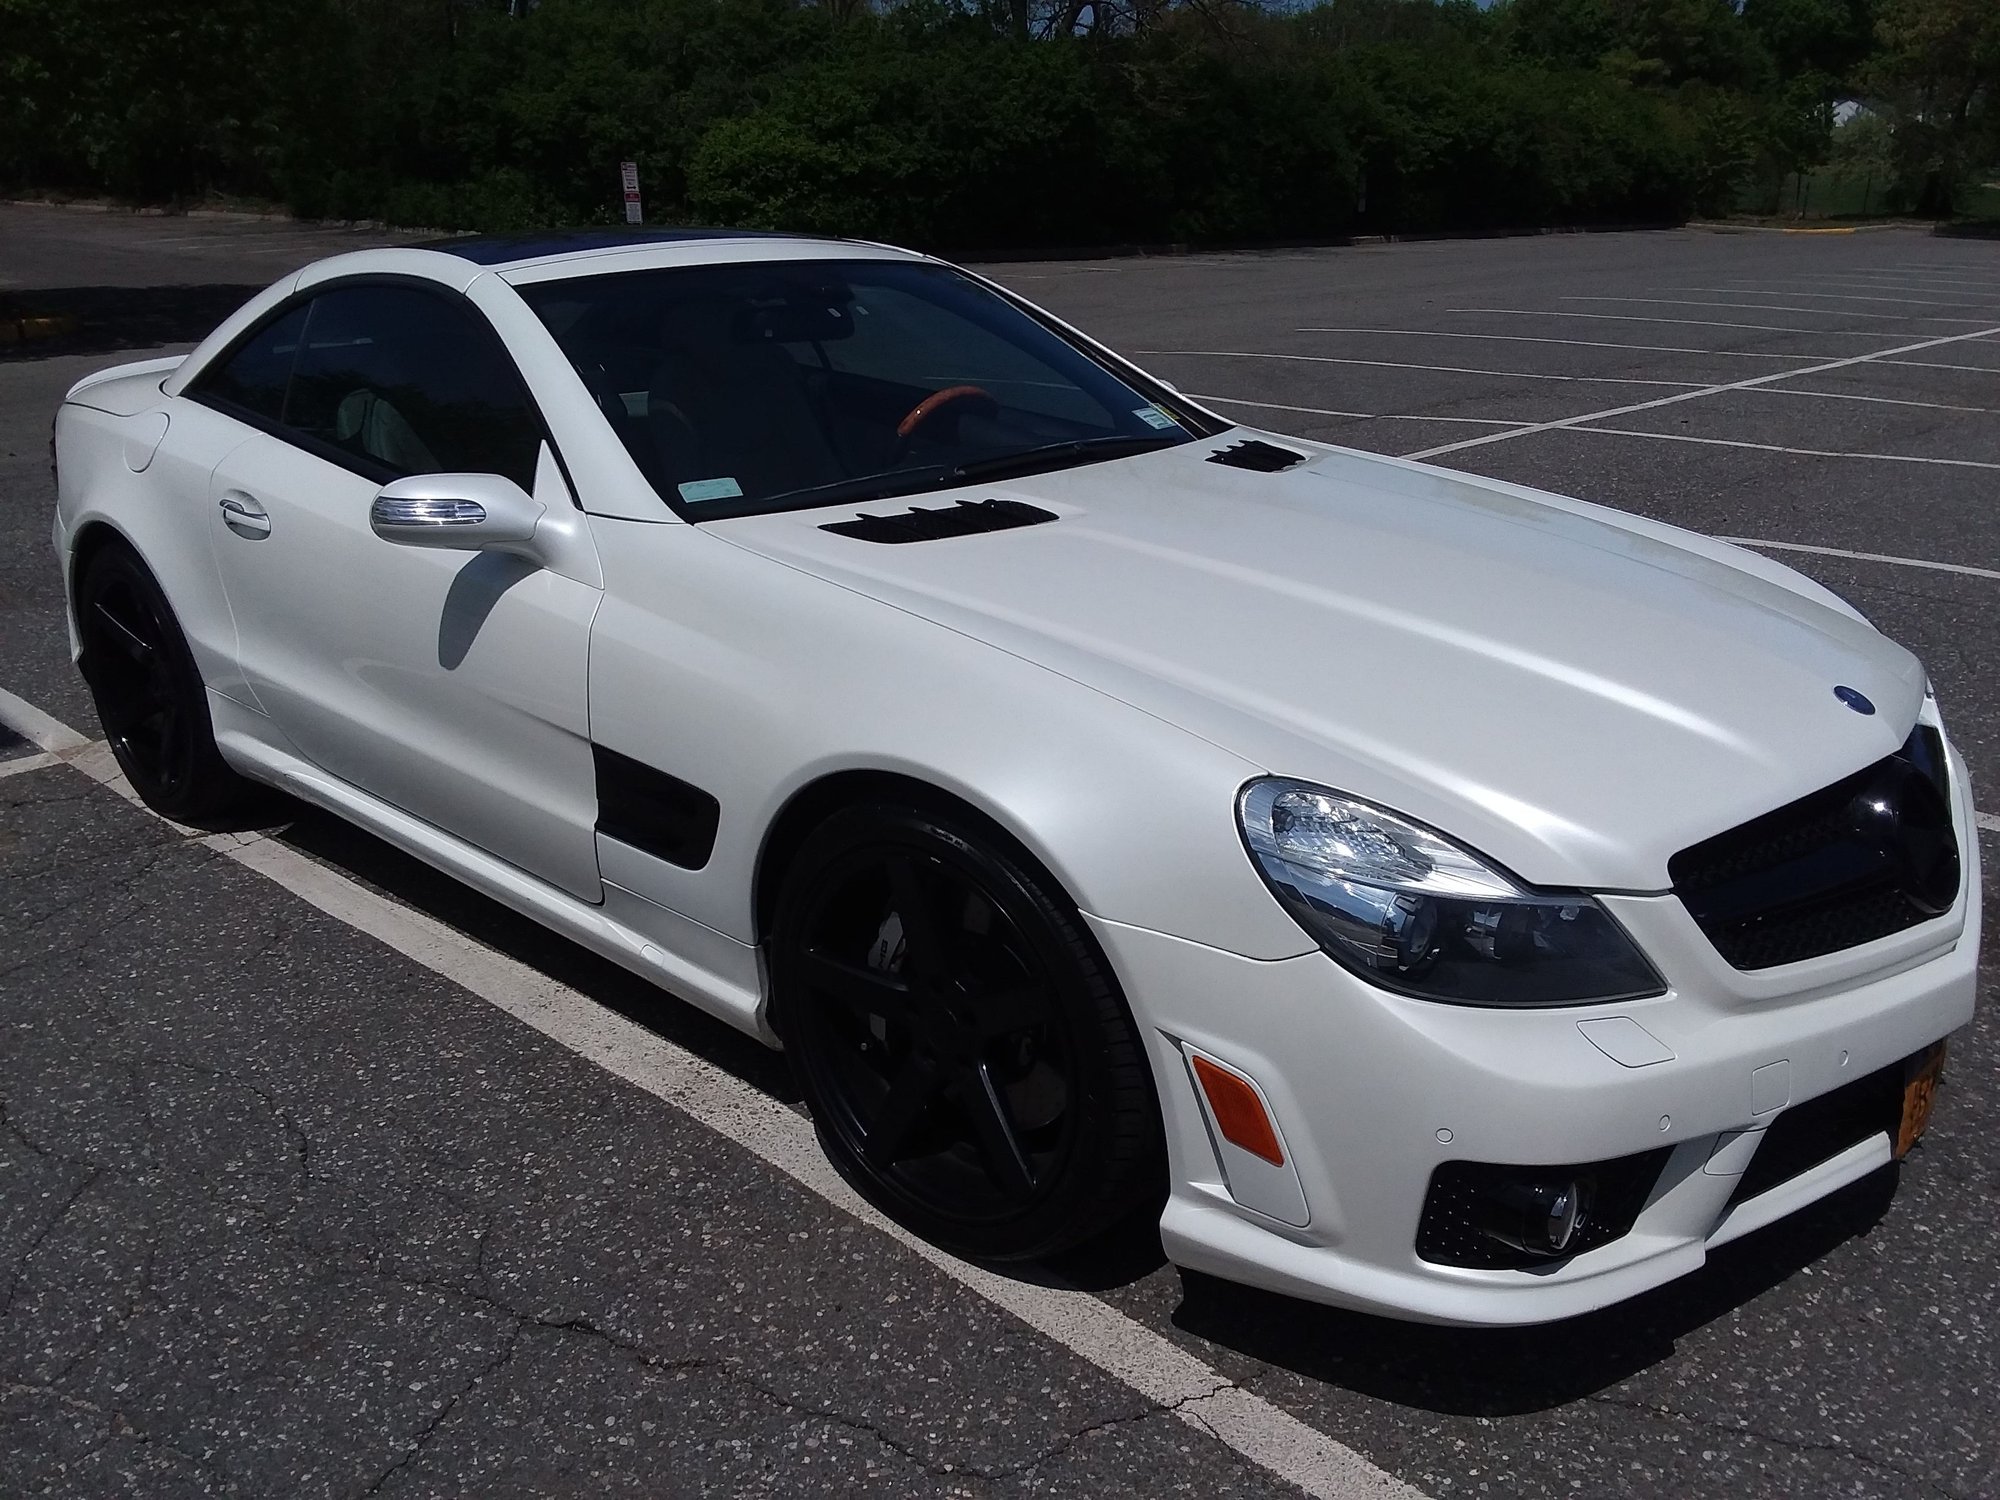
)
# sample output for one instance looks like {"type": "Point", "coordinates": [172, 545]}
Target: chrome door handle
{"type": "Point", "coordinates": [244, 516]}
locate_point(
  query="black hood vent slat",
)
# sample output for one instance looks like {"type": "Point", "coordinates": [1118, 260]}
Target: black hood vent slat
{"type": "Point", "coordinates": [966, 518]}
{"type": "Point", "coordinates": [1258, 456]}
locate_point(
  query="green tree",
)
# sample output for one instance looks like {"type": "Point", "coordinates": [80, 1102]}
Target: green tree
{"type": "Point", "coordinates": [1936, 80]}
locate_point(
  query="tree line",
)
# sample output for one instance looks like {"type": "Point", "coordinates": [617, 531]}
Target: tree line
{"type": "Point", "coordinates": [996, 123]}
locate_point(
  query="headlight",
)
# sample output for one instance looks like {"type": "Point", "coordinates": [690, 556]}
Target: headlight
{"type": "Point", "coordinates": [1406, 908]}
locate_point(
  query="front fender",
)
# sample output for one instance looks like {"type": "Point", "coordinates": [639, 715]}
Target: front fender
{"type": "Point", "coordinates": [752, 680]}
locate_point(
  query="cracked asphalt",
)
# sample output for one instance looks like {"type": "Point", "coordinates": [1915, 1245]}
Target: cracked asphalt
{"type": "Point", "coordinates": [284, 1212]}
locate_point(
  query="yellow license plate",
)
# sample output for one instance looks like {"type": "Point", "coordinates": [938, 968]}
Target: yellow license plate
{"type": "Point", "coordinates": [1919, 1095]}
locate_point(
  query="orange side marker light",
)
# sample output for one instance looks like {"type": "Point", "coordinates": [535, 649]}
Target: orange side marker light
{"type": "Point", "coordinates": [1238, 1112]}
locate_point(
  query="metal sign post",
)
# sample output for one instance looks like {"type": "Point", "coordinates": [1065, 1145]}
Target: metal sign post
{"type": "Point", "coordinates": [628, 172]}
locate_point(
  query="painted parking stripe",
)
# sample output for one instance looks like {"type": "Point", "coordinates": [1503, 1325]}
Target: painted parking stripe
{"type": "Point", "coordinates": [1930, 273]}
{"type": "Point", "coordinates": [37, 728]}
{"type": "Point", "coordinates": [1831, 312]}
{"type": "Point", "coordinates": [1785, 390]}
{"type": "Point", "coordinates": [1948, 273]}
{"type": "Point", "coordinates": [1874, 557]}
{"type": "Point", "coordinates": [1987, 821]}
{"type": "Point", "coordinates": [1760, 390]}
{"type": "Point", "coordinates": [1696, 395]}
{"type": "Point", "coordinates": [1529, 338]}
{"type": "Point", "coordinates": [1543, 312]}
{"type": "Point", "coordinates": [1365, 416]}
{"type": "Point", "coordinates": [1889, 281]}
{"type": "Point", "coordinates": [1155, 1367]}
{"type": "Point", "coordinates": [1390, 364]}
{"type": "Point", "coordinates": [1928, 364]}
{"type": "Point", "coordinates": [1715, 442]}
{"type": "Point", "coordinates": [1799, 291]}
{"type": "Point", "coordinates": [22, 763]}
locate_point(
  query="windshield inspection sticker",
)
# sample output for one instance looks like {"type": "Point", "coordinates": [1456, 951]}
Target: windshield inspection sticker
{"type": "Point", "coordinates": [1154, 416]}
{"type": "Point", "coordinates": [711, 489]}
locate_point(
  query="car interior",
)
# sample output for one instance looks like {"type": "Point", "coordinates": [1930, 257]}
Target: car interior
{"type": "Point", "coordinates": [756, 382]}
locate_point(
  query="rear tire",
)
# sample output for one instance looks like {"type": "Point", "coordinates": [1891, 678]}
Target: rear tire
{"type": "Point", "coordinates": [968, 1061]}
{"type": "Point", "coordinates": [149, 694]}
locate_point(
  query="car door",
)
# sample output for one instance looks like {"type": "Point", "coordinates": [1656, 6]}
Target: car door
{"type": "Point", "coordinates": [451, 684]}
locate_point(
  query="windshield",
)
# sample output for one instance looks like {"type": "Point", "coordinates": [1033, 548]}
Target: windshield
{"type": "Point", "coordinates": [772, 386]}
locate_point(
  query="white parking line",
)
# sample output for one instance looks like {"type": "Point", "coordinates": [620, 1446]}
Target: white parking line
{"type": "Point", "coordinates": [1390, 364]}
{"type": "Point", "coordinates": [1759, 390]}
{"type": "Point", "coordinates": [36, 727]}
{"type": "Point", "coordinates": [1543, 312]}
{"type": "Point", "coordinates": [1715, 442]}
{"type": "Point", "coordinates": [1785, 390]}
{"type": "Point", "coordinates": [1987, 821]}
{"type": "Point", "coordinates": [1874, 557]}
{"type": "Point", "coordinates": [1927, 364]}
{"type": "Point", "coordinates": [1926, 273]}
{"type": "Point", "coordinates": [1366, 416]}
{"type": "Point", "coordinates": [1123, 1348]}
{"type": "Point", "coordinates": [1830, 312]}
{"type": "Point", "coordinates": [1907, 268]}
{"type": "Point", "coordinates": [1529, 338]}
{"type": "Point", "coordinates": [1696, 395]}
{"type": "Point", "coordinates": [1795, 291]}
{"type": "Point", "coordinates": [22, 763]}
{"type": "Point", "coordinates": [1864, 276]}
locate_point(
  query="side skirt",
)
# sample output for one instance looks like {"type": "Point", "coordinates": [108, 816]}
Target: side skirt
{"type": "Point", "coordinates": [245, 739]}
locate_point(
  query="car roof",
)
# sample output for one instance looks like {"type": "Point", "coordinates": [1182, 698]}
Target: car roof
{"type": "Point", "coordinates": [511, 249]}
{"type": "Point", "coordinates": [524, 259]}
{"type": "Point", "coordinates": [549, 251]}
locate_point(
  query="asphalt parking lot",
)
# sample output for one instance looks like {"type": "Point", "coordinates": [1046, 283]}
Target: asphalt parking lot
{"type": "Point", "coordinates": [320, 1176]}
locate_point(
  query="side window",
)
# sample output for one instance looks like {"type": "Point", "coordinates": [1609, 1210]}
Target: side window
{"type": "Point", "coordinates": [413, 384]}
{"type": "Point", "coordinates": [254, 378]}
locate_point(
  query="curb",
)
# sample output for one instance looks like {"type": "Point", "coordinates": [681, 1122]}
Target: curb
{"type": "Point", "coordinates": [226, 215]}
{"type": "Point", "coordinates": [1724, 226]}
{"type": "Point", "coordinates": [24, 330]}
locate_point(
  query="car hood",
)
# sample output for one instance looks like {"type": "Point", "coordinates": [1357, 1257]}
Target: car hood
{"type": "Point", "coordinates": [1574, 693]}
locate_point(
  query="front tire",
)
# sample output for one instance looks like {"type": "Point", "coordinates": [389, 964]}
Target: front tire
{"type": "Point", "coordinates": [149, 694]}
{"type": "Point", "coordinates": [961, 1044]}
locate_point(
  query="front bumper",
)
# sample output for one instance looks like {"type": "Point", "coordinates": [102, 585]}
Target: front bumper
{"type": "Point", "coordinates": [1371, 1092]}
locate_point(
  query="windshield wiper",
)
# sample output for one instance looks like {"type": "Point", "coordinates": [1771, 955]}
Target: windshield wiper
{"type": "Point", "coordinates": [945, 476]}
{"type": "Point", "coordinates": [1059, 455]}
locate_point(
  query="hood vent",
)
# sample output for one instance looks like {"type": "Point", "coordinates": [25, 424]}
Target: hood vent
{"type": "Point", "coordinates": [1258, 456]}
{"type": "Point", "coordinates": [963, 519]}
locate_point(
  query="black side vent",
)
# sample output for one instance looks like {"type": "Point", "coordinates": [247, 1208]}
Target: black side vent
{"type": "Point", "coordinates": [963, 519]}
{"type": "Point", "coordinates": [659, 814]}
{"type": "Point", "coordinates": [1258, 456]}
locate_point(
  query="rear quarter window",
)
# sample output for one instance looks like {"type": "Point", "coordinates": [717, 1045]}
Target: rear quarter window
{"type": "Point", "coordinates": [254, 379]}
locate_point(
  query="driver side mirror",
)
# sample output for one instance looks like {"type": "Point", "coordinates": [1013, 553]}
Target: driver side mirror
{"type": "Point", "coordinates": [461, 512]}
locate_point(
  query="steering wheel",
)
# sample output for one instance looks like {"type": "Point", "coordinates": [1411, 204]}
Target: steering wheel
{"type": "Point", "coordinates": [936, 402]}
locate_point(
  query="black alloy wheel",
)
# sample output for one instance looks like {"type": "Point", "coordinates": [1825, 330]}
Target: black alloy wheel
{"type": "Point", "coordinates": [965, 1054]}
{"type": "Point", "coordinates": [148, 691]}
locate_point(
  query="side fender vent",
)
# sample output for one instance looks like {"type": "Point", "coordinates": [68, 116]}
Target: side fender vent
{"type": "Point", "coordinates": [963, 519]}
{"type": "Point", "coordinates": [1258, 456]}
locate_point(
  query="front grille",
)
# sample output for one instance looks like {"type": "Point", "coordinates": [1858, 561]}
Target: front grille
{"type": "Point", "coordinates": [1820, 1129]}
{"type": "Point", "coordinates": [1449, 1234]}
{"type": "Point", "coordinates": [1871, 855]}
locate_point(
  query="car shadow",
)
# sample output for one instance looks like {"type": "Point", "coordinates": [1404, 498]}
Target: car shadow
{"type": "Point", "coordinates": [406, 879]}
{"type": "Point", "coordinates": [1505, 1372]}
{"type": "Point", "coordinates": [42, 323]}
{"type": "Point", "coordinates": [1465, 1372]}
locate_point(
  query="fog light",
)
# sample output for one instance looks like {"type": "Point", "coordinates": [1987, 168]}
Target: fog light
{"type": "Point", "coordinates": [1538, 1215]}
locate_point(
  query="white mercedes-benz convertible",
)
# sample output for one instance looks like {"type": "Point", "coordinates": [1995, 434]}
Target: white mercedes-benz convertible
{"type": "Point", "coordinates": [1449, 900]}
